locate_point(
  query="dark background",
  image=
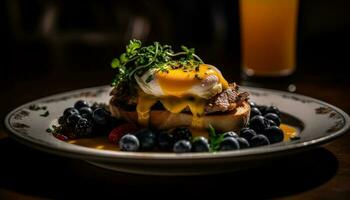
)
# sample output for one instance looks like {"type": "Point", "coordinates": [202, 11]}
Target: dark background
{"type": "Point", "coordinates": [53, 38]}
{"type": "Point", "coordinates": [55, 46]}
{"type": "Point", "coordinates": [66, 45]}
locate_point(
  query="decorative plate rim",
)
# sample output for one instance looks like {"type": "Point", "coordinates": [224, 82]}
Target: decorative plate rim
{"type": "Point", "coordinates": [93, 154]}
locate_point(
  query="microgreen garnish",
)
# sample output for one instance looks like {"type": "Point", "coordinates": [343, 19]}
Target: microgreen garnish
{"type": "Point", "coordinates": [57, 132]}
{"type": "Point", "coordinates": [215, 139]}
{"type": "Point", "coordinates": [138, 59]}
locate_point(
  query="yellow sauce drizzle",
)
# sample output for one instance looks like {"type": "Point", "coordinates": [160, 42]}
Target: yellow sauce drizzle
{"type": "Point", "coordinates": [101, 143]}
{"type": "Point", "coordinates": [144, 104]}
{"type": "Point", "coordinates": [289, 132]}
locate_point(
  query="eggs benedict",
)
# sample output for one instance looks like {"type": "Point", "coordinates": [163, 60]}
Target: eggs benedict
{"type": "Point", "coordinates": [159, 88]}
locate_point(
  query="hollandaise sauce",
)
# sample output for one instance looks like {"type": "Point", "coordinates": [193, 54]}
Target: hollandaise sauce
{"type": "Point", "coordinates": [196, 106]}
{"type": "Point", "coordinates": [143, 108]}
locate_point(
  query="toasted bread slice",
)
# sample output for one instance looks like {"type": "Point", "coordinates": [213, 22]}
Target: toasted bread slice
{"type": "Point", "coordinates": [163, 119]}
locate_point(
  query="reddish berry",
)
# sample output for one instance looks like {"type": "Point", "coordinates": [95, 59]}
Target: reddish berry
{"type": "Point", "coordinates": [118, 132]}
{"type": "Point", "coordinates": [61, 137]}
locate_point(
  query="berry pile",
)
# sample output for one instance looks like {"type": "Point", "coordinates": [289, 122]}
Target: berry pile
{"type": "Point", "coordinates": [178, 140]}
{"type": "Point", "coordinates": [263, 129]}
{"type": "Point", "coordinates": [84, 120]}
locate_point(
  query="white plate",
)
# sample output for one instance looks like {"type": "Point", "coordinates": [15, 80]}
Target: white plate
{"type": "Point", "coordinates": [317, 121]}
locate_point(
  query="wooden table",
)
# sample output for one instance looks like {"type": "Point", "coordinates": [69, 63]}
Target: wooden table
{"type": "Point", "coordinates": [25, 173]}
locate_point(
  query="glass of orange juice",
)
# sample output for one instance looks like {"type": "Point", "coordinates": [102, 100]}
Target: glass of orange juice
{"type": "Point", "coordinates": [268, 36]}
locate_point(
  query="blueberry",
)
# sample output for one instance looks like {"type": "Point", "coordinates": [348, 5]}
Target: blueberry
{"type": "Point", "coordinates": [129, 143]}
{"type": "Point", "coordinates": [259, 140]}
{"type": "Point", "coordinates": [274, 117]}
{"type": "Point", "coordinates": [73, 119]}
{"type": "Point", "coordinates": [254, 112]}
{"type": "Point", "coordinates": [95, 106]}
{"type": "Point", "coordinates": [182, 133]}
{"type": "Point", "coordinates": [258, 123]}
{"type": "Point", "coordinates": [273, 109]}
{"type": "Point", "coordinates": [147, 139]}
{"type": "Point", "coordinates": [86, 112]}
{"type": "Point", "coordinates": [274, 134]}
{"type": "Point", "coordinates": [182, 146]}
{"type": "Point", "coordinates": [270, 122]}
{"type": "Point", "coordinates": [101, 116]}
{"type": "Point", "coordinates": [230, 134]}
{"type": "Point", "coordinates": [229, 143]}
{"type": "Point", "coordinates": [247, 133]}
{"type": "Point", "coordinates": [80, 104]}
{"type": "Point", "coordinates": [165, 141]}
{"type": "Point", "coordinates": [243, 143]}
{"type": "Point", "coordinates": [69, 111]}
{"type": "Point", "coordinates": [262, 109]}
{"type": "Point", "coordinates": [252, 104]}
{"type": "Point", "coordinates": [244, 129]}
{"type": "Point", "coordinates": [200, 144]}
{"type": "Point", "coordinates": [83, 128]}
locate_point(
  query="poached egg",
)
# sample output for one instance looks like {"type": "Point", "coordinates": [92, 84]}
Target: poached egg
{"type": "Point", "coordinates": [177, 89]}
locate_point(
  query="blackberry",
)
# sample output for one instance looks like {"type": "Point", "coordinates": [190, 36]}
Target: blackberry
{"type": "Point", "coordinates": [182, 133]}
{"type": "Point", "coordinates": [83, 128]}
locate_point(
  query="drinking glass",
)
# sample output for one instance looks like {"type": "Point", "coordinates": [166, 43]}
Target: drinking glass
{"type": "Point", "coordinates": [268, 37]}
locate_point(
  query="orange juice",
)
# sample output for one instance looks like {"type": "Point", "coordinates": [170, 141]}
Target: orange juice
{"type": "Point", "coordinates": [268, 32]}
